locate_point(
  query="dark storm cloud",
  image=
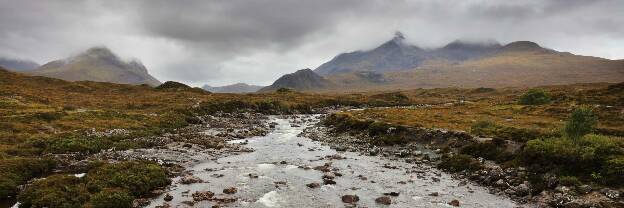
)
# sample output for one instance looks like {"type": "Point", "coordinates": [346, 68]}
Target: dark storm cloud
{"type": "Point", "coordinates": [224, 41]}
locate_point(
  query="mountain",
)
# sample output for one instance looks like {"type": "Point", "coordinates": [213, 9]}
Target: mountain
{"type": "Point", "coordinates": [393, 55]}
{"type": "Point", "coordinates": [18, 65]}
{"type": "Point", "coordinates": [398, 65]}
{"type": "Point", "coordinates": [233, 88]}
{"type": "Point", "coordinates": [97, 64]}
{"type": "Point", "coordinates": [304, 79]}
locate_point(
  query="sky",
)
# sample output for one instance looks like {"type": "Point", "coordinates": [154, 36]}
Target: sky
{"type": "Point", "coordinates": [219, 42]}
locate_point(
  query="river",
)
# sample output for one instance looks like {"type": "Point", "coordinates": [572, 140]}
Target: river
{"type": "Point", "coordinates": [276, 174]}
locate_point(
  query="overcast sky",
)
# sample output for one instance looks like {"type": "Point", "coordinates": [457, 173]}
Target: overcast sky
{"type": "Point", "coordinates": [256, 41]}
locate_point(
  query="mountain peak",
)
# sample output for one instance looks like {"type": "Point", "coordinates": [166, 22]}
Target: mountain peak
{"type": "Point", "coordinates": [303, 79]}
{"type": "Point", "coordinates": [99, 51]}
{"type": "Point", "coordinates": [398, 36]}
{"type": "Point", "coordinates": [464, 44]}
{"type": "Point", "coordinates": [522, 46]}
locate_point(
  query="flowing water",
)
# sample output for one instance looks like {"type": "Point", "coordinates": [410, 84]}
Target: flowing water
{"type": "Point", "coordinates": [278, 162]}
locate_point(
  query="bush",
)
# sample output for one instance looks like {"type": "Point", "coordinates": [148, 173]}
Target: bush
{"type": "Point", "coordinates": [16, 171]}
{"type": "Point", "coordinates": [54, 191]}
{"type": "Point", "coordinates": [112, 198]}
{"type": "Point", "coordinates": [460, 162]}
{"type": "Point", "coordinates": [488, 150]}
{"type": "Point", "coordinates": [535, 97]}
{"type": "Point", "coordinates": [569, 181]}
{"type": "Point", "coordinates": [590, 155]}
{"type": "Point", "coordinates": [137, 177]}
{"type": "Point", "coordinates": [581, 122]}
{"type": "Point", "coordinates": [487, 128]}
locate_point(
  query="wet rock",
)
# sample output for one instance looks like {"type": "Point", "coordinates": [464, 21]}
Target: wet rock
{"type": "Point", "coordinates": [434, 194]}
{"type": "Point", "coordinates": [313, 185]}
{"type": "Point", "coordinates": [392, 193]}
{"type": "Point", "coordinates": [434, 179]}
{"type": "Point", "coordinates": [350, 199]}
{"type": "Point", "coordinates": [190, 179]}
{"type": "Point", "coordinates": [454, 203]}
{"type": "Point", "coordinates": [253, 175]}
{"type": "Point", "coordinates": [283, 162]}
{"type": "Point", "coordinates": [612, 194]}
{"type": "Point", "coordinates": [340, 148]}
{"type": "Point", "coordinates": [140, 202]}
{"type": "Point", "coordinates": [168, 197]}
{"type": "Point", "coordinates": [462, 183]}
{"type": "Point", "coordinates": [202, 195]}
{"type": "Point", "coordinates": [188, 203]}
{"type": "Point", "coordinates": [383, 200]}
{"type": "Point", "coordinates": [328, 176]}
{"type": "Point", "coordinates": [522, 189]}
{"type": "Point", "coordinates": [231, 190]}
{"type": "Point", "coordinates": [328, 182]}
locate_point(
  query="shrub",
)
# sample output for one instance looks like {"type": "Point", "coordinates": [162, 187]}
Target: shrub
{"type": "Point", "coordinates": [460, 162]}
{"type": "Point", "coordinates": [284, 90]}
{"type": "Point", "coordinates": [535, 97]}
{"type": "Point", "coordinates": [54, 191]}
{"type": "Point", "coordinates": [137, 177]}
{"type": "Point", "coordinates": [591, 154]}
{"type": "Point", "coordinates": [581, 122]}
{"type": "Point", "coordinates": [16, 171]}
{"type": "Point", "coordinates": [613, 170]}
{"type": "Point", "coordinates": [112, 198]}
{"type": "Point", "coordinates": [569, 181]}
{"type": "Point", "coordinates": [487, 150]}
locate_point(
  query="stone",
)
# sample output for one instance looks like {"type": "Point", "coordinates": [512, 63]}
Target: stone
{"type": "Point", "coordinates": [313, 185]}
{"type": "Point", "coordinates": [203, 195]}
{"type": "Point", "coordinates": [231, 190]}
{"type": "Point", "coordinates": [383, 200]}
{"type": "Point", "coordinates": [190, 179]}
{"type": "Point", "coordinates": [454, 203]}
{"type": "Point", "coordinates": [584, 189]}
{"type": "Point", "coordinates": [328, 182]}
{"type": "Point", "coordinates": [350, 199]}
{"type": "Point", "coordinates": [140, 202]}
{"type": "Point", "coordinates": [434, 194]}
{"type": "Point", "coordinates": [392, 193]}
{"type": "Point", "coordinates": [168, 197]}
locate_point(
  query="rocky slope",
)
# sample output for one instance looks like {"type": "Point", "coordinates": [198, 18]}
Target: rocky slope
{"type": "Point", "coordinates": [97, 64]}
{"type": "Point", "coordinates": [304, 79]}
{"type": "Point", "coordinates": [233, 88]}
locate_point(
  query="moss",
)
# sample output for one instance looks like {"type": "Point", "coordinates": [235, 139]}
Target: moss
{"type": "Point", "coordinates": [112, 198]}
{"type": "Point", "coordinates": [460, 162]}
{"type": "Point", "coordinates": [137, 177]}
{"type": "Point", "coordinates": [54, 191]}
{"type": "Point", "coordinates": [535, 97]}
{"type": "Point", "coordinates": [16, 171]}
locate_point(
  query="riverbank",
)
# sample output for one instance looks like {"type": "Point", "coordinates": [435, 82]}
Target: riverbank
{"type": "Point", "coordinates": [438, 147]}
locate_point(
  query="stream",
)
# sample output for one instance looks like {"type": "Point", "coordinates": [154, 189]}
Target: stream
{"type": "Point", "coordinates": [276, 174]}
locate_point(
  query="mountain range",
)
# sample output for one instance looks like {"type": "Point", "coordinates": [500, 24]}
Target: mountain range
{"type": "Point", "coordinates": [233, 88]}
{"type": "Point", "coordinates": [18, 65]}
{"type": "Point", "coordinates": [97, 64]}
{"type": "Point", "coordinates": [397, 64]}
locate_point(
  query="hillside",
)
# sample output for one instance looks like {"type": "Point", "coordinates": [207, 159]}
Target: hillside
{"type": "Point", "coordinates": [18, 65]}
{"type": "Point", "coordinates": [304, 79]}
{"type": "Point", "coordinates": [467, 64]}
{"type": "Point", "coordinates": [233, 88]}
{"type": "Point", "coordinates": [97, 64]}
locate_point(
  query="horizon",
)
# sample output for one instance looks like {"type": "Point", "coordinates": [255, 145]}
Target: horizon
{"type": "Point", "coordinates": [222, 43]}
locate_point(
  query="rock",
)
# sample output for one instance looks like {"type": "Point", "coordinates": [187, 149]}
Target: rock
{"type": "Point", "coordinates": [350, 199]}
{"type": "Point", "coordinates": [584, 189]}
{"type": "Point", "coordinates": [392, 193]}
{"type": "Point", "coordinates": [283, 162]}
{"type": "Point", "coordinates": [383, 200]}
{"type": "Point", "coordinates": [434, 194]}
{"type": "Point", "coordinates": [253, 175]}
{"type": "Point", "coordinates": [140, 202]}
{"type": "Point", "coordinates": [190, 179]}
{"type": "Point", "coordinates": [168, 197]}
{"type": "Point", "coordinates": [188, 203]}
{"type": "Point", "coordinates": [231, 190]}
{"type": "Point", "coordinates": [454, 203]}
{"type": "Point", "coordinates": [203, 195]}
{"type": "Point", "coordinates": [462, 183]}
{"type": "Point", "coordinates": [522, 189]}
{"type": "Point", "coordinates": [612, 194]}
{"type": "Point", "coordinates": [340, 148]}
{"type": "Point", "coordinates": [313, 185]}
{"type": "Point", "coordinates": [328, 182]}
{"type": "Point", "coordinates": [329, 176]}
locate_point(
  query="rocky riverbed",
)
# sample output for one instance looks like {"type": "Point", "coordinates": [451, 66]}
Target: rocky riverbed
{"type": "Point", "coordinates": [510, 182]}
{"type": "Point", "coordinates": [288, 169]}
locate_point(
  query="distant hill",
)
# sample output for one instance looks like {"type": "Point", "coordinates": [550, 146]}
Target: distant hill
{"type": "Point", "coordinates": [396, 64]}
{"type": "Point", "coordinates": [304, 79]}
{"type": "Point", "coordinates": [18, 65]}
{"type": "Point", "coordinates": [233, 88]}
{"type": "Point", "coordinates": [97, 64]}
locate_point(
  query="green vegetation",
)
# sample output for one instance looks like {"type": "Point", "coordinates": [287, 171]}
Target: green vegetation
{"type": "Point", "coordinates": [107, 185]}
{"type": "Point", "coordinates": [460, 162]}
{"type": "Point", "coordinates": [17, 170]}
{"type": "Point", "coordinates": [112, 198]}
{"type": "Point", "coordinates": [535, 97]}
{"type": "Point", "coordinates": [581, 122]}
